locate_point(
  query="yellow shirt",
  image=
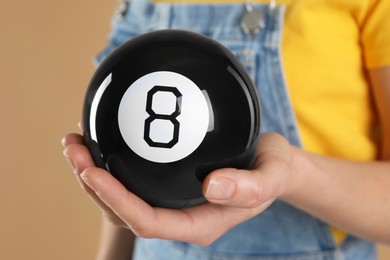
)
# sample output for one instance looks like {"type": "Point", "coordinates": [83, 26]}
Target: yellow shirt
{"type": "Point", "coordinates": [327, 45]}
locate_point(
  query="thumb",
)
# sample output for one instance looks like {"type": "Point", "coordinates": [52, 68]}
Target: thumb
{"type": "Point", "coordinates": [237, 188]}
{"type": "Point", "coordinates": [250, 188]}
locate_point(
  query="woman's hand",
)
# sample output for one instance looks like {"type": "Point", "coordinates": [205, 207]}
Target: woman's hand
{"type": "Point", "coordinates": [348, 194]}
{"type": "Point", "coordinates": [234, 195]}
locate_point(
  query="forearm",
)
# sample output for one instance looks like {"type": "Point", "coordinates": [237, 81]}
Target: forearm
{"type": "Point", "coordinates": [353, 196]}
{"type": "Point", "coordinates": [115, 243]}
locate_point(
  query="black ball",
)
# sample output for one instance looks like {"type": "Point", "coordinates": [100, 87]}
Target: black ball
{"type": "Point", "coordinates": [165, 109]}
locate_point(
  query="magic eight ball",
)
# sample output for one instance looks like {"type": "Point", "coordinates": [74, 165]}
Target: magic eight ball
{"type": "Point", "coordinates": [165, 109]}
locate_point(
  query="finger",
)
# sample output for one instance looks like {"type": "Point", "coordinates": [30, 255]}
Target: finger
{"type": "Point", "coordinates": [238, 188]}
{"type": "Point", "coordinates": [136, 213]}
{"type": "Point", "coordinates": [106, 211]}
{"type": "Point", "coordinates": [248, 189]}
{"type": "Point", "coordinates": [72, 139]}
{"type": "Point", "coordinates": [78, 156]}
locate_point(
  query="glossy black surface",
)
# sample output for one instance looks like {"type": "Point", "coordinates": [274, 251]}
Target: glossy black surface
{"type": "Point", "coordinates": [232, 97]}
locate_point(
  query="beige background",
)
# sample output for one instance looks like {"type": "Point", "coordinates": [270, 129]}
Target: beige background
{"type": "Point", "coordinates": [46, 49]}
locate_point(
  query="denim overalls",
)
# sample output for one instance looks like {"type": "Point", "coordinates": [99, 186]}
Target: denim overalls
{"type": "Point", "coordinates": [282, 232]}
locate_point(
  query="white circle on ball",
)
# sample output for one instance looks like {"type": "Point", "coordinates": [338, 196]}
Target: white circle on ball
{"type": "Point", "coordinates": [163, 116]}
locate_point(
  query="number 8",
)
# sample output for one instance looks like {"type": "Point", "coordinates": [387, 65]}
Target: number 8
{"type": "Point", "coordinates": [153, 116]}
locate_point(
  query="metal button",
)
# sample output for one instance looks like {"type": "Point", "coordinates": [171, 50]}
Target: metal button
{"type": "Point", "coordinates": [122, 10]}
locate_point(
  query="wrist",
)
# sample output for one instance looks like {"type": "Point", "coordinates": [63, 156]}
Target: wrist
{"type": "Point", "coordinates": [300, 164]}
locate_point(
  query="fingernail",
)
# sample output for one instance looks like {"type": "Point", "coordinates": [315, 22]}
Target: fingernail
{"type": "Point", "coordinates": [63, 141]}
{"type": "Point", "coordinates": [220, 188]}
{"type": "Point", "coordinates": [87, 181]}
{"type": "Point", "coordinates": [80, 125]}
{"type": "Point", "coordinates": [70, 161]}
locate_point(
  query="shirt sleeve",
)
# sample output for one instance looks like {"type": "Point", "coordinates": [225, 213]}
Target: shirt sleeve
{"type": "Point", "coordinates": [375, 33]}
